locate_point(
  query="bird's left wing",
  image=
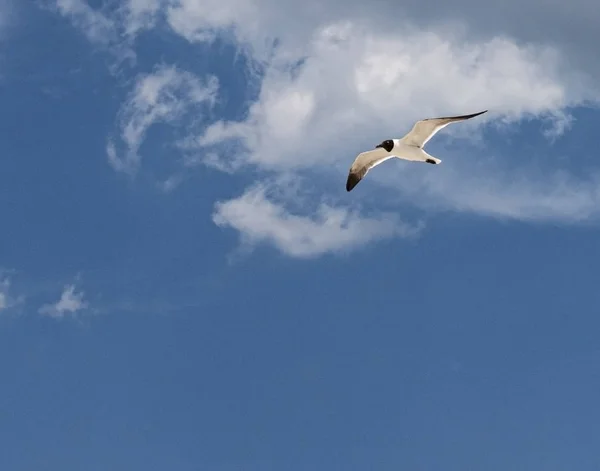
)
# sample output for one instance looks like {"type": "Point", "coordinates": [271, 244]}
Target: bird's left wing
{"type": "Point", "coordinates": [425, 129]}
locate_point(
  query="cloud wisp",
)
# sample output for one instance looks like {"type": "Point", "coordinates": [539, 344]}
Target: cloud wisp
{"type": "Point", "coordinates": [162, 96]}
{"type": "Point", "coordinates": [7, 299]}
{"type": "Point", "coordinates": [101, 29]}
{"type": "Point", "coordinates": [70, 303]}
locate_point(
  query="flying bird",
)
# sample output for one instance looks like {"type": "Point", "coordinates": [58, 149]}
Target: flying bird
{"type": "Point", "coordinates": [410, 147]}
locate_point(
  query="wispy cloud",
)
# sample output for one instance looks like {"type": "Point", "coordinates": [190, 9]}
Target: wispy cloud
{"type": "Point", "coordinates": [70, 302]}
{"type": "Point", "coordinates": [477, 183]}
{"type": "Point", "coordinates": [4, 296]}
{"type": "Point", "coordinates": [162, 96]}
{"type": "Point", "coordinates": [99, 28]}
{"type": "Point", "coordinates": [139, 15]}
{"type": "Point", "coordinates": [7, 298]}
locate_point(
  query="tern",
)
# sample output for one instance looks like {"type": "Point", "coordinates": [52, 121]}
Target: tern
{"type": "Point", "coordinates": [410, 147]}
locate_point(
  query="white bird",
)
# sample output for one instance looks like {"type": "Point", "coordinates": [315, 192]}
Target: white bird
{"type": "Point", "coordinates": [410, 147]}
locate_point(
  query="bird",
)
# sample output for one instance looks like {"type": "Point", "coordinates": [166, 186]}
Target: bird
{"type": "Point", "coordinates": [410, 147]}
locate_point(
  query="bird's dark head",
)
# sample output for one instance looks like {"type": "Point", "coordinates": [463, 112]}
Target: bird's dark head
{"type": "Point", "coordinates": [388, 145]}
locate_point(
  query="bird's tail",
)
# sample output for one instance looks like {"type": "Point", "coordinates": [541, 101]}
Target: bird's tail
{"type": "Point", "coordinates": [430, 159]}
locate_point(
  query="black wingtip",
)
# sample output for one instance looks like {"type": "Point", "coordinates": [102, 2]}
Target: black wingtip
{"type": "Point", "coordinates": [460, 117]}
{"type": "Point", "coordinates": [469, 116]}
{"type": "Point", "coordinates": [352, 181]}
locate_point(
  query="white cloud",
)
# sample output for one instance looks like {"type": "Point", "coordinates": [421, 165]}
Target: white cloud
{"type": "Point", "coordinates": [70, 302]}
{"type": "Point", "coordinates": [260, 218]}
{"type": "Point", "coordinates": [379, 84]}
{"type": "Point", "coordinates": [336, 78]}
{"type": "Point", "coordinates": [161, 96]}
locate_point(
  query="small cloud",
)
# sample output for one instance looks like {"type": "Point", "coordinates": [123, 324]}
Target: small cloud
{"type": "Point", "coordinates": [7, 300]}
{"type": "Point", "coordinates": [70, 302]}
{"type": "Point", "coordinates": [558, 125]}
{"type": "Point", "coordinates": [168, 185]}
{"type": "Point", "coordinates": [329, 229]}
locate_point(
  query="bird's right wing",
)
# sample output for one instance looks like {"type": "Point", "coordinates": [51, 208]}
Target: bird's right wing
{"type": "Point", "coordinates": [363, 163]}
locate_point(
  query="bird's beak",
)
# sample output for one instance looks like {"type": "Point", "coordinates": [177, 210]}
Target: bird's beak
{"type": "Point", "coordinates": [379, 145]}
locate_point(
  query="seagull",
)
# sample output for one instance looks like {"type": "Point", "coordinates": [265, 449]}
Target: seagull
{"type": "Point", "coordinates": [410, 147]}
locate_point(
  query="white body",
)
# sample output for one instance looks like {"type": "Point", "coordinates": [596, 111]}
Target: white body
{"type": "Point", "coordinates": [410, 152]}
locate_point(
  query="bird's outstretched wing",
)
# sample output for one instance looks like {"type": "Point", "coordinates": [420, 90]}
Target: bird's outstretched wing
{"type": "Point", "coordinates": [425, 129]}
{"type": "Point", "coordinates": [363, 163]}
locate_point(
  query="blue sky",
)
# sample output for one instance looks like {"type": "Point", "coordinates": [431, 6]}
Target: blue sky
{"type": "Point", "coordinates": [185, 283]}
